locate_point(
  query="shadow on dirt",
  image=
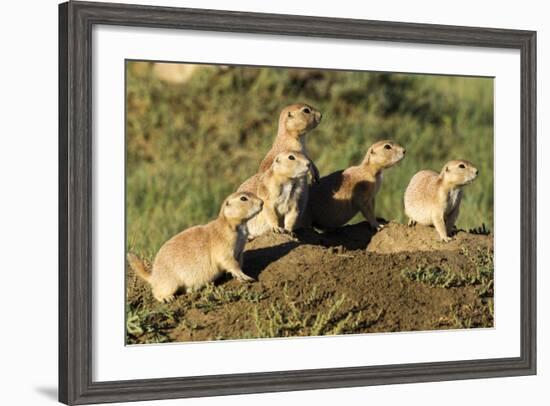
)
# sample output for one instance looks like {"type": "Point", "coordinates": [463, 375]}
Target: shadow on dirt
{"type": "Point", "coordinates": [256, 260]}
{"type": "Point", "coordinates": [352, 237]}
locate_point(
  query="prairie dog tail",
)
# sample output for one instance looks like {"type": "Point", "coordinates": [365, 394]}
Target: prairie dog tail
{"type": "Point", "coordinates": [138, 266]}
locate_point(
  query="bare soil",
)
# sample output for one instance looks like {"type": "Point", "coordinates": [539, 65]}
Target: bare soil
{"type": "Point", "coordinates": [344, 282]}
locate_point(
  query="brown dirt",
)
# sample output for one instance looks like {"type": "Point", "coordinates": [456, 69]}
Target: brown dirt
{"type": "Point", "coordinates": [347, 281]}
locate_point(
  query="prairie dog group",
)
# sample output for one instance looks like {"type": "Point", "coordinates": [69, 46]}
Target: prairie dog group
{"type": "Point", "coordinates": [200, 254]}
{"type": "Point", "coordinates": [281, 188]}
{"type": "Point", "coordinates": [336, 198]}
{"type": "Point", "coordinates": [278, 198]}
{"type": "Point", "coordinates": [433, 198]}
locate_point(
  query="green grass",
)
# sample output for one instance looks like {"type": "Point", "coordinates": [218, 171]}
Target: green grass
{"type": "Point", "coordinates": [287, 316]}
{"type": "Point", "coordinates": [481, 275]}
{"type": "Point", "coordinates": [291, 317]}
{"type": "Point", "coordinates": [150, 326]}
{"type": "Point", "coordinates": [212, 297]}
{"type": "Point", "coordinates": [433, 275]}
{"type": "Point", "coordinates": [189, 145]}
{"type": "Point", "coordinates": [144, 326]}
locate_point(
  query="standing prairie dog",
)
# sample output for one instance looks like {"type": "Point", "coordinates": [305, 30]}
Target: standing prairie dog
{"type": "Point", "coordinates": [295, 121]}
{"type": "Point", "coordinates": [433, 198]}
{"type": "Point", "coordinates": [200, 254]}
{"type": "Point", "coordinates": [281, 188]}
{"type": "Point", "coordinates": [336, 198]}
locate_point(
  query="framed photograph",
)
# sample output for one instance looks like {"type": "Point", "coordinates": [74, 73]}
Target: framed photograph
{"type": "Point", "coordinates": [259, 202]}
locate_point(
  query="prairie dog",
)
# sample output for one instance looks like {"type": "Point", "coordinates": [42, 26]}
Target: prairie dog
{"type": "Point", "coordinates": [336, 198]}
{"type": "Point", "coordinates": [295, 121]}
{"type": "Point", "coordinates": [282, 187]}
{"type": "Point", "coordinates": [433, 198]}
{"type": "Point", "coordinates": [200, 254]}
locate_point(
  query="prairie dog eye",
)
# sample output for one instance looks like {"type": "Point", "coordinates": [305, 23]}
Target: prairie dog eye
{"type": "Point", "coordinates": [291, 157]}
{"type": "Point", "coordinates": [387, 146]}
{"type": "Point", "coordinates": [461, 166]}
{"type": "Point", "coordinates": [306, 110]}
{"type": "Point", "coordinates": [244, 198]}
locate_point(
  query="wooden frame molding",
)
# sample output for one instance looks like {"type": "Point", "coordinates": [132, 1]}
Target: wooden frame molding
{"type": "Point", "coordinates": [76, 20]}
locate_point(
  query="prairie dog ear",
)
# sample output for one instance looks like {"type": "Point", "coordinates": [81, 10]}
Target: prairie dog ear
{"type": "Point", "coordinates": [370, 152]}
{"type": "Point", "coordinates": [447, 168]}
{"type": "Point", "coordinates": [289, 114]}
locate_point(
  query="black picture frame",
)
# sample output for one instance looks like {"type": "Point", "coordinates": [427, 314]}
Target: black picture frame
{"type": "Point", "coordinates": [76, 20]}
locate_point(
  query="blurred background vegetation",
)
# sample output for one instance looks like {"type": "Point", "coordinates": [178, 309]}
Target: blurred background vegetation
{"type": "Point", "coordinates": [195, 133]}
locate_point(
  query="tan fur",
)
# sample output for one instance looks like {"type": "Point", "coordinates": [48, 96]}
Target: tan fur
{"type": "Point", "coordinates": [282, 187]}
{"type": "Point", "coordinates": [200, 254]}
{"type": "Point", "coordinates": [251, 184]}
{"type": "Point", "coordinates": [295, 121]}
{"type": "Point", "coordinates": [339, 196]}
{"type": "Point", "coordinates": [433, 198]}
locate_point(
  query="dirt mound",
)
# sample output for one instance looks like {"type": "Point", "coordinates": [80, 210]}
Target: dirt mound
{"type": "Point", "coordinates": [401, 238]}
{"type": "Point", "coordinates": [351, 280]}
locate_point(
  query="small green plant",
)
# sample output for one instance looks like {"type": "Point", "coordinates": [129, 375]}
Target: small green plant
{"type": "Point", "coordinates": [483, 260]}
{"type": "Point", "coordinates": [460, 320]}
{"type": "Point", "coordinates": [431, 275]}
{"type": "Point", "coordinates": [324, 320]}
{"type": "Point", "coordinates": [469, 316]}
{"type": "Point", "coordinates": [212, 296]}
{"type": "Point", "coordinates": [144, 326]}
{"type": "Point", "coordinates": [443, 277]}
{"type": "Point", "coordinates": [284, 319]}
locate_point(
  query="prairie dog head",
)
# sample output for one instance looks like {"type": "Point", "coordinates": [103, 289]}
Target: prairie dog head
{"type": "Point", "coordinates": [298, 119]}
{"type": "Point", "coordinates": [459, 173]}
{"type": "Point", "coordinates": [291, 164]}
{"type": "Point", "coordinates": [240, 207]}
{"type": "Point", "coordinates": [384, 154]}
